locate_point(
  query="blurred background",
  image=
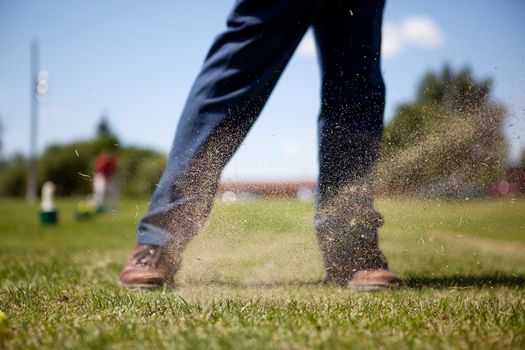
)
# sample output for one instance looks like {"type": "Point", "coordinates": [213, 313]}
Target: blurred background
{"type": "Point", "coordinates": [113, 76]}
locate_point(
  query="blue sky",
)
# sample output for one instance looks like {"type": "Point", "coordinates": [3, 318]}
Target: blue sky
{"type": "Point", "coordinates": [136, 60]}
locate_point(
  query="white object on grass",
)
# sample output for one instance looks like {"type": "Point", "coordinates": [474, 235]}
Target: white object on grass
{"type": "Point", "coordinates": [48, 192]}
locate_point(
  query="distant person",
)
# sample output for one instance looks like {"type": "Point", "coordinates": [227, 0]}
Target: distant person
{"type": "Point", "coordinates": [239, 73]}
{"type": "Point", "coordinates": [105, 186]}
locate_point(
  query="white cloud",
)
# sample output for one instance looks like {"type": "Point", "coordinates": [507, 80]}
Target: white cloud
{"type": "Point", "coordinates": [307, 48]}
{"type": "Point", "coordinates": [412, 31]}
{"type": "Point", "coordinates": [393, 41]}
{"type": "Point", "coordinates": [423, 32]}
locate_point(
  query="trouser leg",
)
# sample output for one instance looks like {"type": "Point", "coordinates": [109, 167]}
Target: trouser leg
{"type": "Point", "coordinates": [348, 35]}
{"type": "Point", "coordinates": [239, 72]}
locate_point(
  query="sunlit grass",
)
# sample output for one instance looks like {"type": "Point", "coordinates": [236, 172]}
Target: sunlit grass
{"type": "Point", "coordinates": [252, 280]}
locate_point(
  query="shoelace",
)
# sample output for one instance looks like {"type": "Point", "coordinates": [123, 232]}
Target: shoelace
{"type": "Point", "coordinates": [148, 257]}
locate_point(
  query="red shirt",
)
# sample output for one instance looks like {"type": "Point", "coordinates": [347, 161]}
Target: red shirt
{"type": "Point", "coordinates": [106, 164]}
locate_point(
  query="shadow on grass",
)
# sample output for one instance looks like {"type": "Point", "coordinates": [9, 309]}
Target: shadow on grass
{"type": "Point", "coordinates": [413, 282]}
{"type": "Point", "coordinates": [248, 285]}
{"type": "Point", "coordinates": [465, 281]}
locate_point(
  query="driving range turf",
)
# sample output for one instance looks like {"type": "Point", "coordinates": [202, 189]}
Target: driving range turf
{"type": "Point", "coordinates": [252, 280]}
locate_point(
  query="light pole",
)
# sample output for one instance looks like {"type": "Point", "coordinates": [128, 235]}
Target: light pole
{"type": "Point", "coordinates": [39, 86]}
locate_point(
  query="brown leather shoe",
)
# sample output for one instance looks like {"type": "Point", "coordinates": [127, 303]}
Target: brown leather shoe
{"type": "Point", "coordinates": [373, 280]}
{"type": "Point", "coordinates": [356, 264]}
{"type": "Point", "coordinates": [149, 267]}
{"type": "Point", "coordinates": [344, 257]}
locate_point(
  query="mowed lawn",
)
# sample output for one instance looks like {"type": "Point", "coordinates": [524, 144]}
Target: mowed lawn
{"type": "Point", "coordinates": [252, 280]}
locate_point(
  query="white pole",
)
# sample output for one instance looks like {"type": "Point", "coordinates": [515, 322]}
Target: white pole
{"type": "Point", "coordinates": [32, 167]}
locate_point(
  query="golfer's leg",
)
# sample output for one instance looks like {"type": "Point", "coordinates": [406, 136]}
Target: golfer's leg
{"type": "Point", "coordinates": [239, 72]}
{"type": "Point", "coordinates": [348, 35]}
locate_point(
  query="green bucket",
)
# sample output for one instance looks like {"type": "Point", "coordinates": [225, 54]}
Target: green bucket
{"type": "Point", "coordinates": [48, 217]}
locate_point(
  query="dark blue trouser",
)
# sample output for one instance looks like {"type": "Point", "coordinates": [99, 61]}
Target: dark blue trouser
{"type": "Point", "coordinates": [239, 73]}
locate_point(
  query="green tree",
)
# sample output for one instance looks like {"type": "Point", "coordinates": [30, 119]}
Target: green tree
{"type": "Point", "coordinates": [139, 170]}
{"type": "Point", "coordinates": [70, 166]}
{"type": "Point", "coordinates": [105, 138]}
{"type": "Point", "coordinates": [449, 141]}
{"type": "Point", "coordinates": [13, 176]}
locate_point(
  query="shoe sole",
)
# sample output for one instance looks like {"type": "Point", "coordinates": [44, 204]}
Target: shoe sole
{"type": "Point", "coordinates": [146, 287]}
{"type": "Point", "coordinates": [369, 287]}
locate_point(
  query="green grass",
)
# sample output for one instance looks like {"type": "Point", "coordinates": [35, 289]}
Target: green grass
{"type": "Point", "coordinates": [252, 280]}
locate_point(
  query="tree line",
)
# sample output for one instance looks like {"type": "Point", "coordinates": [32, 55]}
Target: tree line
{"type": "Point", "coordinates": [70, 167]}
{"type": "Point", "coordinates": [448, 142]}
